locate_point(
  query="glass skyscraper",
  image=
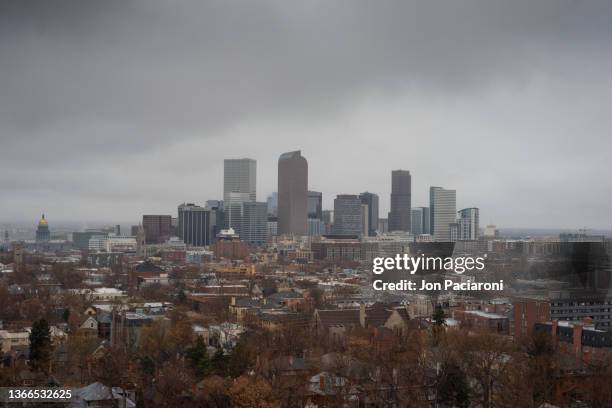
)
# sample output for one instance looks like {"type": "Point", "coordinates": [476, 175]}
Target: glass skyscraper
{"type": "Point", "coordinates": [443, 212]}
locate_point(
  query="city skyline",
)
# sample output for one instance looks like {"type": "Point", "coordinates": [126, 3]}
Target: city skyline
{"type": "Point", "coordinates": [305, 204]}
{"type": "Point", "coordinates": [517, 124]}
{"type": "Point", "coordinates": [328, 203]}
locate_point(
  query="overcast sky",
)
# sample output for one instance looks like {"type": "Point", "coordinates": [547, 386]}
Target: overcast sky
{"type": "Point", "coordinates": [112, 109]}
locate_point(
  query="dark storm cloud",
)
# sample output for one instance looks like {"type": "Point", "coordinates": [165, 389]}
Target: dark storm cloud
{"type": "Point", "coordinates": [108, 99]}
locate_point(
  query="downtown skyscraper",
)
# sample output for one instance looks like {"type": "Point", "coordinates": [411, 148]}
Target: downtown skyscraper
{"type": "Point", "coordinates": [420, 220]}
{"type": "Point", "coordinates": [254, 225]}
{"type": "Point", "coordinates": [194, 225]}
{"type": "Point", "coordinates": [158, 228]}
{"type": "Point", "coordinates": [292, 193]}
{"type": "Point", "coordinates": [349, 215]}
{"type": "Point", "coordinates": [239, 186]}
{"type": "Point", "coordinates": [401, 192]}
{"type": "Point", "coordinates": [315, 204]}
{"type": "Point", "coordinates": [371, 200]}
{"type": "Point", "coordinates": [468, 224]}
{"type": "Point", "coordinates": [443, 212]}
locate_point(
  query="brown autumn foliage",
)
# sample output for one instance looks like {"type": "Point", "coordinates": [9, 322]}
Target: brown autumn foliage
{"type": "Point", "coordinates": [247, 392]}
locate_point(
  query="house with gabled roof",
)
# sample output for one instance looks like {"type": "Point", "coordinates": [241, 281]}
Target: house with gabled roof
{"type": "Point", "coordinates": [336, 321]}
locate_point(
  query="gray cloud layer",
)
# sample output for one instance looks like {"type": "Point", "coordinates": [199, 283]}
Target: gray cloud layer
{"type": "Point", "coordinates": [109, 109]}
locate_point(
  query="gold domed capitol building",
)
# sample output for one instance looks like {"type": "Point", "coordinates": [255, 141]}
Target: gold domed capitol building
{"type": "Point", "coordinates": [42, 232]}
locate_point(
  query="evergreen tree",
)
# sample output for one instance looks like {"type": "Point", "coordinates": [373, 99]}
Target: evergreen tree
{"type": "Point", "coordinates": [40, 345]}
{"type": "Point", "coordinates": [438, 320]}
{"type": "Point", "coordinates": [439, 316]}
{"type": "Point", "coordinates": [198, 358]}
{"type": "Point", "coordinates": [453, 389]}
{"type": "Point", "coordinates": [219, 362]}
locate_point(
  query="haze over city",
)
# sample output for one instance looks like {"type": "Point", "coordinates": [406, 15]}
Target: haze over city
{"type": "Point", "coordinates": [110, 110]}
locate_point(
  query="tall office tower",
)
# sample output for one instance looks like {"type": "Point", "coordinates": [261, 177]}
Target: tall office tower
{"type": "Point", "coordinates": [443, 211]}
{"type": "Point", "coordinates": [416, 220]}
{"type": "Point", "coordinates": [328, 221]}
{"type": "Point", "coordinates": [239, 186]}
{"type": "Point", "coordinates": [315, 204]}
{"type": "Point", "coordinates": [468, 223]}
{"type": "Point", "coordinates": [401, 187]}
{"type": "Point", "coordinates": [158, 228]}
{"type": "Point", "coordinates": [365, 221]}
{"type": "Point", "coordinates": [453, 230]}
{"type": "Point", "coordinates": [233, 209]}
{"type": "Point", "coordinates": [254, 224]}
{"type": "Point", "coordinates": [273, 204]}
{"type": "Point", "coordinates": [316, 227]}
{"type": "Point", "coordinates": [217, 219]}
{"type": "Point", "coordinates": [426, 220]}
{"type": "Point", "coordinates": [292, 193]}
{"type": "Point", "coordinates": [194, 225]}
{"type": "Point", "coordinates": [371, 200]}
{"type": "Point", "coordinates": [347, 215]}
{"type": "Point", "coordinates": [239, 176]}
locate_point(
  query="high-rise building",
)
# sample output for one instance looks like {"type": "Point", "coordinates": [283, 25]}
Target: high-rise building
{"type": "Point", "coordinates": [254, 223]}
{"type": "Point", "coordinates": [468, 223]}
{"type": "Point", "coordinates": [233, 209]}
{"type": "Point", "coordinates": [158, 228]}
{"type": "Point", "coordinates": [371, 200]}
{"type": "Point", "coordinates": [217, 217]}
{"type": "Point", "coordinates": [239, 176]}
{"type": "Point", "coordinates": [273, 204]}
{"type": "Point", "coordinates": [316, 227]}
{"type": "Point", "coordinates": [347, 215]}
{"type": "Point", "coordinates": [194, 225]}
{"type": "Point", "coordinates": [328, 221]}
{"type": "Point", "coordinates": [401, 191]}
{"type": "Point", "coordinates": [443, 211]}
{"type": "Point", "coordinates": [364, 220]}
{"type": "Point", "coordinates": [383, 225]}
{"type": "Point", "coordinates": [42, 231]}
{"type": "Point", "coordinates": [80, 239]}
{"type": "Point", "coordinates": [239, 186]}
{"type": "Point", "coordinates": [420, 219]}
{"type": "Point", "coordinates": [292, 193]}
{"type": "Point", "coordinates": [315, 204]}
{"type": "Point", "coordinates": [426, 220]}
{"type": "Point", "coordinates": [453, 231]}
{"type": "Point", "coordinates": [416, 220]}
